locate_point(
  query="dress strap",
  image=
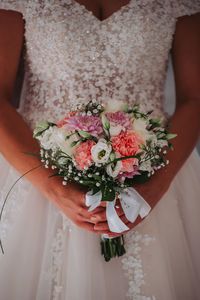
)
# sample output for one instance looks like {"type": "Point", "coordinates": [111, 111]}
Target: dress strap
{"type": "Point", "coordinates": [185, 7]}
{"type": "Point", "coordinates": [17, 5]}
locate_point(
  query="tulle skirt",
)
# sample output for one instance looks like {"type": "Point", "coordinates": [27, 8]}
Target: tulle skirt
{"type": "Point", "coordinates": [48, 257]}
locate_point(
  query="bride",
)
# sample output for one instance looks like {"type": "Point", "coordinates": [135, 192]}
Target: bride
{"type": "Point", "coordinates": [98, 49]}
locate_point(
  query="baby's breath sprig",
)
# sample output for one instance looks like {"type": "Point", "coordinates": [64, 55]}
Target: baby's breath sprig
{"type": "Point", "coordinates": [93, 108]}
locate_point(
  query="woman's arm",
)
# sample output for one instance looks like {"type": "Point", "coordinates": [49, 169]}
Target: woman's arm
{"type": "Point", "coordinates": [186, 119]}
{"type": "Point", "coordinates": [16, 137]}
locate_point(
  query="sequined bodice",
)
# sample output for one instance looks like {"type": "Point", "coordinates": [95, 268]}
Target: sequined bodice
{"type": "Point", "coordinates": [71, 56]}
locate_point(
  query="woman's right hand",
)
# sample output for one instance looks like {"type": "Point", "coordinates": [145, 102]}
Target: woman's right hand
{"type": "Point", "coordinates": [71, 201]}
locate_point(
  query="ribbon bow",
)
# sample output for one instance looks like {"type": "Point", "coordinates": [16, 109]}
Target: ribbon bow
{"type": "Point", "coordinates": [132, 204]}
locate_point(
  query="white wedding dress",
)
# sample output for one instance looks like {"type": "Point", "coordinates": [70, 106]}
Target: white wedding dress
{"type": "Point", "coordinates": [70, 54]}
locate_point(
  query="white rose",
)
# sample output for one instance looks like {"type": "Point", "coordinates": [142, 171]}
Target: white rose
{"type": "Point", "coordinates": [47, 140]}
{"type": "Point", "coordinates": [101, 152]}
{"type": "Point", "coordinates": [64, 144]}
{"type": "Point", "coordinates": [114, 106]}
{"type": "Point", "coordinates": [115, 129]}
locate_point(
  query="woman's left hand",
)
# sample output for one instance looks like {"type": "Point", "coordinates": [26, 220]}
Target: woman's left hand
{"type": "Point", "coordinates": [152, 191]}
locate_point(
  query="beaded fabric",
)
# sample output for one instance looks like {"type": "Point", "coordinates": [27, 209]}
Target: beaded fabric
{"type": "Point", "coordinates": [72, 56]}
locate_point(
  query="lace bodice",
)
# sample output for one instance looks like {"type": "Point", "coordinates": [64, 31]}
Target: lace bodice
{"type": "Point", "coordinates": [71, 56]}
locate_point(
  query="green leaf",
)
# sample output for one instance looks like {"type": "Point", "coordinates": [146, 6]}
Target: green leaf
{"type": "Point", "coordinates": [88, 182]}
{"type": "Point", "coordinates": [84, 134]}
{"type": "Point", "coordinates": [37, 132]}
{"type": "Point", "coordinates": [149, 112]}
{"type": "Point", "coordinates": [112, 156]}
{"type": "Point", "coordinates": [142, 146]}
{"type": "Point", "coordinates": [170, 146]}
{"type": "Point", "coordinates": [170, 136]}
{"type": "Point", "coordinates": [74, 143]}
{"type": "Point", "coordinates": [98, 178]}
{"type": "Point", "coordinates": [42, 125]}
{"type": "Point", "coordinates": [105, 122]}
{"type": "Point", "coordinates": [136, 106]}
{"type": "Point", "coordinates": [156, 120]}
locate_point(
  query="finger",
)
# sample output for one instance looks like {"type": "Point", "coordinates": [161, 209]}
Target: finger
{"type": "Point", "coordinates": [89, 227]}
{"type": "Point", "coordinates": [86, 216]}
{"type": "Point", "coordinates": [101, 216]}
{"type": "Point", "coordinates": [104, 225]}
{"type": "Point", "coordinates": [103, 204]}
{"type": "Point", "coordinates": [98, 210]}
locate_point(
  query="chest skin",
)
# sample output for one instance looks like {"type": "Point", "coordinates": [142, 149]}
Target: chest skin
{"type": "Point", "coordinates": [103, 9]}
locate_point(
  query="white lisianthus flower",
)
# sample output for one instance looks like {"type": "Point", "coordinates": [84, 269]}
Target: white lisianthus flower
{"type": "Point", "coordinates": [101, 152]}
{"type": "Point", "coordinates": [47, 139]}
{"type": "Point", "coordinates": [115, 129]}
{"type": "Point", "coordinates": [114, 171]}
{"type": "Point", "coordinates": [115, 105]}
{"type": "Point", "coordinates": [64, 144]}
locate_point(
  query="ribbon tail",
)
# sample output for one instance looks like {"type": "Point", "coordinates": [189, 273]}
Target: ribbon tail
{"type": "Point", "coordinates": [93, 200]}
{"type": "Point", "coordinates": [133, 204]}
{"type": "Point", "coordinates": [114, 222]}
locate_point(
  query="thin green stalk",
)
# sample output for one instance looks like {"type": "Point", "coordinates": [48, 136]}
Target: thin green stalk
{"type": "Point", "coordinates": [9, 194]}
{"type": "Point", "coordinates": [121, 158]}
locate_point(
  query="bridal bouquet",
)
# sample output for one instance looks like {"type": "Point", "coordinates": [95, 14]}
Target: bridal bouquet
{"type": "Point", "coordinates": [107, 148]}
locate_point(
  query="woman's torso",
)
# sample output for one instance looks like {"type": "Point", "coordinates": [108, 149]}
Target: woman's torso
{"type": "Point", "coordinates": [72, 56]}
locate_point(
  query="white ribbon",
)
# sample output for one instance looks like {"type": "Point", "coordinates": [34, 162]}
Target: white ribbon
{"type": "Point", "coordinates": [132, 204]}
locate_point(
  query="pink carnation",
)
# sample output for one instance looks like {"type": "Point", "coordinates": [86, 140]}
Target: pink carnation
{"type": "Point", "coordinates": [120, 118]}
{"type": "Point", "coordinates": [128, 164]}
{"type": "Point", "coordinates": [83, 154]}
{"type": "Point", "coordinates": [127, 144]}
{"type": "Point", "coordinates": [89, 124]}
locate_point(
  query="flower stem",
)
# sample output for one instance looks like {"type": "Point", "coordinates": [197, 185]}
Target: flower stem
{"type": "Point", "coordinates": [9, 194]}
